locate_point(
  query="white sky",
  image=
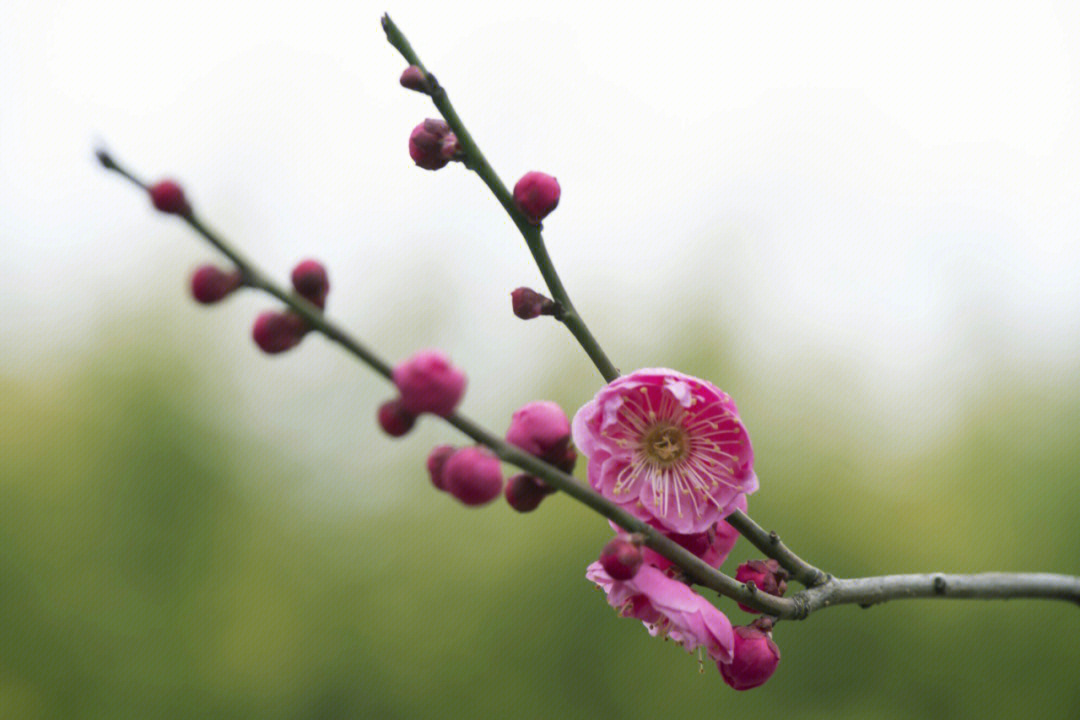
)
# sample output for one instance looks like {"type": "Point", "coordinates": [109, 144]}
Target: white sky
{"type": "Point", "coordinates": [887, 182]}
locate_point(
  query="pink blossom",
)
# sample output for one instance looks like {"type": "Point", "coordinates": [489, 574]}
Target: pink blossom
{"type": "Point", "coordinates": [210, 284]}
{"type": "Point", "coordinates": [435, 461]}
{"type": "Point", "coordinates": [668, 447]}
{"type": "Point", "coordinates": [432, 144]}
{"type": "Point", "coordinates": [524, 492]}
{"type": "Point", "coordinates": [311, 282]}
{"type": "Point", "coordinates": [429, 383]}
{"type": "Point", "coordinates": [275, 332]}
{"type": "Point", "coordinates": [669, 608]}
{"type": "Point", "coordinates": [754, 660]}
{"type": "Point", "coordinates": [394, 419]}
{"type": "Point", "coordinates": [767, 576]}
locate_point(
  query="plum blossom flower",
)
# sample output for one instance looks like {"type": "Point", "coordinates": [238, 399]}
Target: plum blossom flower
{"type": "Point", "coordinates": [668, 608]}
{"type": "Point", "coordinates": [668, 447]}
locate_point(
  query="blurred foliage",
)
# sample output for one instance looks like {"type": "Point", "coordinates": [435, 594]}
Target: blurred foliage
{"type": "Point", "coordinates": [154, 563]}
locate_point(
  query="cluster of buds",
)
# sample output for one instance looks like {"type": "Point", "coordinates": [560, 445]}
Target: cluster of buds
{"type": "Point", "coordinates": [541, 429]}
{"type": "Point", "coordinates": [471, 474]}
{"type": "Point", "coordinates": [427, 382]}
{"type": "Point", "coordinates": [276, 331]}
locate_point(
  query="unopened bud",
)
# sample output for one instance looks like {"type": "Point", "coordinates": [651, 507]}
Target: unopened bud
{"type": "Point", "coordinates": [413, 78]}
{"type": "Point", "coordinates": [525, 492]}
{"type": "Point", "coordinates": [394, 419]}
{"type": "Point", "coordinates": [429, 383]}
{"type": "Point", "coordinates": [168, 197]}
{"type": "Point", "coordinates": [435, 461]}
{"type": "Point", "coordinates": [536, 194]}
{"type": "Point", "coordinates": [311, 283]}
{"type": "Point", "coordinates": [621, 558]}
{"type": "Point", "coordinates": [528, 303]}
{"type": "Point", "coordinates": [275, 332]}
{"type": "Point", "coordinates": [767, 576]}
{"type": "Point", "coordinates": [473, 476]}
{"type": "Point", "coordinates": [210, 284]}
{"type": "Point", "coordinates": [754, 660]}
{"type": "Point", "coordinates": [432, 145]}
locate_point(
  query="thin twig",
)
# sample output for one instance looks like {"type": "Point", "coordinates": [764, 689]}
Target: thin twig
{"type": "Point", "coordinates": [475, 161]}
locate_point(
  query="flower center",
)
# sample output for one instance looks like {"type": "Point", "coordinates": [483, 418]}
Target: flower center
{"type": "Point", "coordinates": [665, 444]}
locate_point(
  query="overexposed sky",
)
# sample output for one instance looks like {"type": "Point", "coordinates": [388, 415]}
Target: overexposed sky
{"type": "Point", "coordinates": [886, 182]}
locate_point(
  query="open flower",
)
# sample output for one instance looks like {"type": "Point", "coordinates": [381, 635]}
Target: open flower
{"type": "Point", "coordinates": [667, 446]}
{"type": "Point", "coordinates": [668, 608]}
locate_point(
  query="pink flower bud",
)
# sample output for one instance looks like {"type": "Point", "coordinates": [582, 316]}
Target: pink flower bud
{"type": "Point", "coordinates": [168, 197]}
{"type": "Point", "coordinates": [394, 419]}
{"type": "Point", "coordinates": [210, 284]}
{"type": "Point", "coordinates": [524, 492]}
{"type": "Point", "coordinates": [540, 428]}
{"type": "Point", "coordinates": [435, 461]}
{"type": "Point", "coordinates": [311, 283]}
{"type": "Point", "coordinates": [755, 659]}
{"type": "Point", "coordinates": [472, 475]}
{"type": "Point", "coordinates": [536, 195]}
{"type": "Point", "coordinates": [767, 576]}
{"type": "Point", "coordinates": [413, 79]}
{"type": "Point", "coordinates": [621, 558]}
{"type": "Point", "coordinates": [432, 145]}
{"type": "Point", "coordinates": [528, 303]}
{"type": "Point", "coordinates": [429, 383]}
{"type": "Point", "coordinates": [276, 332]}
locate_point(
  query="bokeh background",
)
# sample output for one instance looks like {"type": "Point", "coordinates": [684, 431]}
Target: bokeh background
{"type": "Point", "coordinates": [861, 220]}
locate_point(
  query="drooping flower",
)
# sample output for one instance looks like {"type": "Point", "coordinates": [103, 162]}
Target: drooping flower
{"type": "Point", "coordinates": [668, 447]}
{"type": "Point", "coordinates": [668, 608]}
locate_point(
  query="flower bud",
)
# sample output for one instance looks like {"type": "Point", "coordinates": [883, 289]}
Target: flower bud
{"type": "Point", "coordinates": [435, 461]}
{"type": "Point", "coordinates": [432, 145]}
{"type": "Point", "coordinates": [621, 558]}
{"type": "Point", "coordinates": [429, 383]}
{"type": "Point", "coordinates": [540, 428]}
{"type": "Point", "coordinates": [394, 419]}
{"type": "Point", "coordinates": [276, 332]}
{"type": "Point", "coordinates": [168, 197]}
{"type": "Point", "coordinates": [528, 303]}
{"type": "Point", "coordinates": [473, 475]}
{"type": "Point", "coordinates": [755, 659]}
{"type": "Point", "coordinates": [767, 576]}
{"type": "Point", "coordinates": [210, 284]}
{"type": "Point", "coordinates": [536, 195]}
{"type": "Point", "coordinates": [524, 492]}
{"type": "Point", "coordinates": [311, 283]}
{"type": "Point", "coordinates": [413, 78]}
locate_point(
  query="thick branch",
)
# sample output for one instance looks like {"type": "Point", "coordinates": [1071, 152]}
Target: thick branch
{"type": "Point", "coordinates": [869, 591]}
{"type": "Point", "coordinates": [770, 544]}
{"type": "Point", "coordinates": [475, 161]}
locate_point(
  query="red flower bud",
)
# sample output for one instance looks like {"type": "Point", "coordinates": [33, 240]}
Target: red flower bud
{"type": "Point", "coordinates": [432, 145]}
{"type": "Point", "coordinates": [621, 558]}
{"type": "Point", "coordinates": [767, 576]}
{"type": "Point", "coordinates": [168, 197]}
{"type": "Point", "coordinates": [210, 284]}
{"type": "Point", "coordinates": [528, 303]}
{"type": "Point", "coordinates": [524, 492]}
{"type": "Point", "coordinates": [536, 194]}
{"type": "Point", "coordinates": [394, 419]}
{"type": "Point", "coordinates": [435, 461]}
{"type": "Point", "coordinates": [311, 283]}
{"type": "Point", "coordinates": [755, 659]}
{"type": "Point", "coordinates": [473, 475]}
{"type": "Point", "coordinates": [276, 332]}
{"type": "Point", "coordinates": [413, 78]}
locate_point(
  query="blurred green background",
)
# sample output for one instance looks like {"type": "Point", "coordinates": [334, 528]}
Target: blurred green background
{"type": "Point", "coordinates": [162, 557]}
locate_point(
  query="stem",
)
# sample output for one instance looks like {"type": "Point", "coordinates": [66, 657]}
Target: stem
{"type": "Point", "coordinates": [820, 593]}
{"type": "Point", "coordinates": [769, 543]}
{"type": "Point", "coordinates": [475, 161]}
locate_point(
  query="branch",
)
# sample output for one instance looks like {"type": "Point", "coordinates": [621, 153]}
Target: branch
{"type": "Point", "coordinates": [769, 543]}
{"type": "Point", "coordinates": [869, 591]}
{"type": "Point", "coordinates": [475, 161]}
{"type": "Point", "coordinates": [694, 568]}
